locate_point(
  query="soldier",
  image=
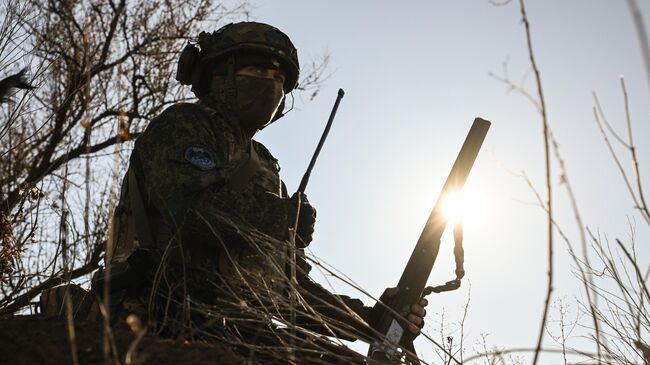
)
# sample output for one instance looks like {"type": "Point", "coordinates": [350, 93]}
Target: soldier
{"type": "Point", "coordinates": [200, 243]}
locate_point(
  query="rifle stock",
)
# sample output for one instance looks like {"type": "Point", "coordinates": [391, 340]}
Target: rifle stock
{"type": "Point", "coordinates": [416, 273]}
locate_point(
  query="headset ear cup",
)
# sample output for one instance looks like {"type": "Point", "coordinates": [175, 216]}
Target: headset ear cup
{"type": "Point", "coordinates": [187, 63]}
{"type": "Point", "coordinates": [201, 77]}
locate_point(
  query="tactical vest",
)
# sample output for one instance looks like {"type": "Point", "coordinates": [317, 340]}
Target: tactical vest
{"type": "Point", "coordinates": [133, 227]}
{"type": "Point", "coordinates": [138, 225]}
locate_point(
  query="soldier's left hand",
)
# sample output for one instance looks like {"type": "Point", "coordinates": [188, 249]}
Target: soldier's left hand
{"type": "Point", "coordinates": [416, 314]}
{"type": "Point", "coordinates": [306, 220]}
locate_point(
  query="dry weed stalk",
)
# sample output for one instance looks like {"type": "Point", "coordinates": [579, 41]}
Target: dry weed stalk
{"type": "Point", "coordinates": [251, 310]}
{"type": "Point", "coordinates": [620, 324]}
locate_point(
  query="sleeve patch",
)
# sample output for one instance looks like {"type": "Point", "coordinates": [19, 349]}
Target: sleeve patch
{"type": "Point", "coordinates": [200, 157]}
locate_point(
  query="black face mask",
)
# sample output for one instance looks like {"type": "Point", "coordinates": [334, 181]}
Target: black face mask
{"type": "Point", "coordinates": [256, 99]}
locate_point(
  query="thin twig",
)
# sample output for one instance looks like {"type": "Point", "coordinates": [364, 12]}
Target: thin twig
{"type": "Point", "coordinates": [547, 159]}
{"type": "Point", "coordinates": [520, 350]}
{"type": "Point", "coordinates": [642, 206]}
{"type": "Point", "coordinates": [585, 275]}
{"type": "Point", "coordinates": [63, 237]}
{"type": "Point", "coordinates": [619, 165]}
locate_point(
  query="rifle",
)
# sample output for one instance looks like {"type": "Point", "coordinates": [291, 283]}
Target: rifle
{"type": "Point", "coordinates": [414, 278]}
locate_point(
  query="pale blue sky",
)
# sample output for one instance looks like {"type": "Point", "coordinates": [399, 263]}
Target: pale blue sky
{"type": "Point", "coordinates": [415, 75]}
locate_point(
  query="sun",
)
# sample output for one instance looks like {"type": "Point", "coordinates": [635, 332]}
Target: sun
{"type": "Point", "coordinates": [455, 206]}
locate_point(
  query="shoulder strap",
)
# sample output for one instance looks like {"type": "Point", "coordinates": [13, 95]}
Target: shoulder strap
{"type": "Point", "coordinates": [245, 171]}
{"type": "Point", "coordinates": [142, 227]}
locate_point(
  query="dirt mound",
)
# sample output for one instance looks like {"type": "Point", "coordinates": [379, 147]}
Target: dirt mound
{"type": "Point", "coordinates": [31, 340]}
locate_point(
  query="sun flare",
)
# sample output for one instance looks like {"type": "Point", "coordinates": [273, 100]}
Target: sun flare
{"type": "Point", "coordinates": [456, 207]}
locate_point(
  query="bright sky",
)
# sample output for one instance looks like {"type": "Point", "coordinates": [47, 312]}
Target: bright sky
{"type": "Point", "coordinates": [416, 73]}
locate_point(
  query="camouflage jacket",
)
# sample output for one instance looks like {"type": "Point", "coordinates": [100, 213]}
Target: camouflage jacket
{"type": "Point", "coordinates": [183, 162]}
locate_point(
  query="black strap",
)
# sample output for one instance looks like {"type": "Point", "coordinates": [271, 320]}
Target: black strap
{"type": "Point", "coordinates": [142, 226]}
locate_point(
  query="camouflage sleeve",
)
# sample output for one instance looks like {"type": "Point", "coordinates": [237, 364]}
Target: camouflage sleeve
{"type": "Point", "coordinates": [346, 317]}
{"type": "Point", "coordinates": [182, 168]}
{"type": "Point", "coordinates": [170, 183]}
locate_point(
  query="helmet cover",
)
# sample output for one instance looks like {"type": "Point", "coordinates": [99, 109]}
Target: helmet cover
{"type": "Point", "coordinates": [243, 39]}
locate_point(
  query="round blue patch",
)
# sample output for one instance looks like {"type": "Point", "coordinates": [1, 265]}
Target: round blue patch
{"type": "Point", "coordinates": [200, 157]}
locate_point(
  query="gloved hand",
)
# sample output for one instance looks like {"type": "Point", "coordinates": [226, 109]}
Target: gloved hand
{"type": "Point", "coordinates": [415, 315]}
{"type": "Point", "coordinates": [306, 219]}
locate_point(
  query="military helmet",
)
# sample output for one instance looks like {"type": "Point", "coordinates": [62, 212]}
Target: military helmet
{"type": "Point", "coordinates": [244, 38]}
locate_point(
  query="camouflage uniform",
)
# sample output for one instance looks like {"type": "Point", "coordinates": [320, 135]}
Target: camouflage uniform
{"type": "Point", "coordinates": [197, 221]}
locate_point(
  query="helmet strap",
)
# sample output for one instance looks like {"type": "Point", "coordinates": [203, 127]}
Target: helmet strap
{"type": "Point", "coordinates": [281, 113]}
